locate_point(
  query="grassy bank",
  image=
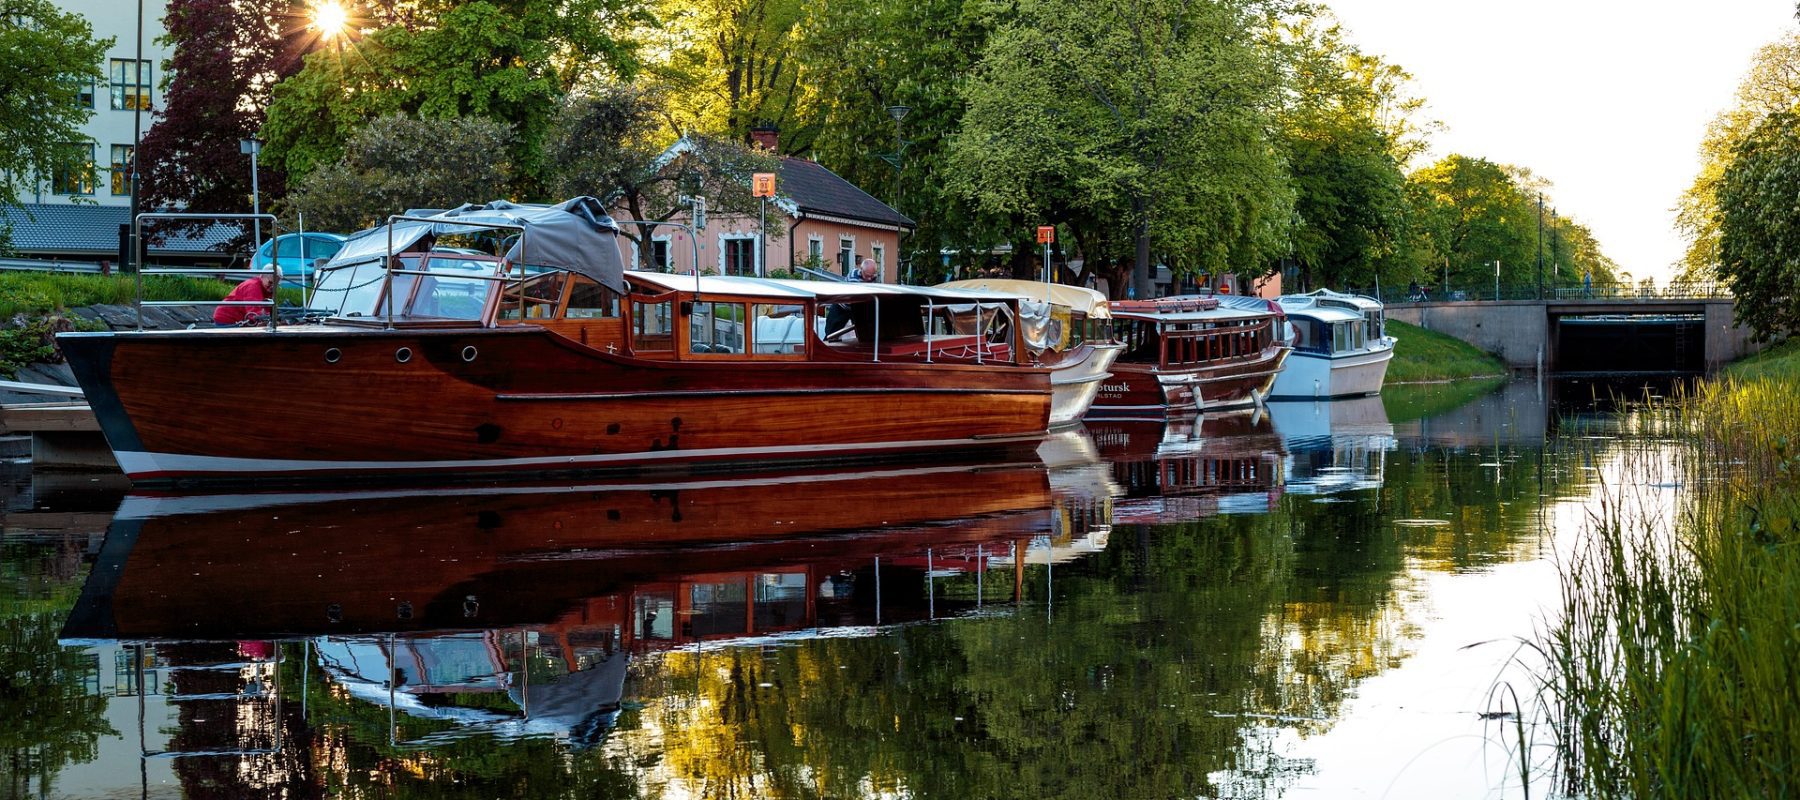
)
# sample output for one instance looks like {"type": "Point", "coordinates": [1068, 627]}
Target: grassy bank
{"type": "Point", "coordinates": [1780, 361]}
{"type": "Point", "coordinates": [1673, 664]}
{"type": "Point", "coordinates": [1424, 355]}
{"type": "Point", "coordinates": [36, 294]}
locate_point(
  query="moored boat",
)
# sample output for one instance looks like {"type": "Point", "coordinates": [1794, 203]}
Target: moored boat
{"type": "Point", "coordinates": [1069, 330]}
{"type": "Point", "coordinates": [553, 359]}
{"type": "Point", "coordinates": [1185, 355]}
{"type": "Point", "coordinates": [1341, 347]}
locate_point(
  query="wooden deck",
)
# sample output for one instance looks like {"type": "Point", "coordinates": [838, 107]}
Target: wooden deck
{"type": "Point", "coordinates": [64, 435]}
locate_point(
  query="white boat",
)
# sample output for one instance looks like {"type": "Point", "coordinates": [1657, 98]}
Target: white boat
{"type": "Point", "coordinates": [1341, 346]}
{"type": "Point", "coordinates": [1067, 328]}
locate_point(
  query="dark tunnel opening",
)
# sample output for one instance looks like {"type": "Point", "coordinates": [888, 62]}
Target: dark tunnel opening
{"type": "Point", "coordinates": [1630, 344]}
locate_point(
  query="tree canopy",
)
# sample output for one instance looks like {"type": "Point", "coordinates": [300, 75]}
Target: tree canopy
{"type": "Point", "coordinates": [1759, 226]}
{"type": "Point", "coordinates": [399, 162]}
{"type": "Point", "coordinates": [47, 57]}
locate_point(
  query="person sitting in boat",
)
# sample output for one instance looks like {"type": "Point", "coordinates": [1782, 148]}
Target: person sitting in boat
{"type": "Point", "coordinates": [260, 288]}
{"type": "Point", "coordinates": [837, 317]}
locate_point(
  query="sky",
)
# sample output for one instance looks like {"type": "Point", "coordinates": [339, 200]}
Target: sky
{"type": "Point", "coordinates": [1606, 99]}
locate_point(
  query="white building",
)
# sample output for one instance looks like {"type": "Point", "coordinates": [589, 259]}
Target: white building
{"type": "Point", "coordinates": [127, 85]}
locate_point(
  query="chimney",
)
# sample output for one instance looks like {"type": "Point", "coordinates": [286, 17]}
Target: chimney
{"type": "Point", "coordinates": [766, 138]}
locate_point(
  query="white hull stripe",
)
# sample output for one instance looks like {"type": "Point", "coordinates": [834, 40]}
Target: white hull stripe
{"type": "Point", "coordinates": [142, 464]}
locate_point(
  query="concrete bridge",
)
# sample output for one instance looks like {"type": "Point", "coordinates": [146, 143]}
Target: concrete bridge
{"type": "Point", "coordinates": [1632, 334]}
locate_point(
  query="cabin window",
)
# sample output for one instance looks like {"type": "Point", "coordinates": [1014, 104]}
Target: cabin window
{"type": "Point", "coordinates": [778, 328]}
{"type": "Point", "coordinates": [653, 616]}
{"type": "Point", "coordinates": [535, 297]}
{"type": "Point", "coordinates": [716, 328]}
{"type": "Point", "coordinates": [653, 325]}
{"type": "Point", "coordinates": [716, 609]}
{"type": "Point", "coordinates": [589, 300]}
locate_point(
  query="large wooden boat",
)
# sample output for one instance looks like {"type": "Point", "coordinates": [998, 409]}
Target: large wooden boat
{"type": "Point", "coordinates": [1069, 330]}
{"type": "Point", "coordinates": [554, 358]}
{"type": "Point", "coordinates": [1341, 346]}
{"type": "Point", "coordinates": [1185, 355]}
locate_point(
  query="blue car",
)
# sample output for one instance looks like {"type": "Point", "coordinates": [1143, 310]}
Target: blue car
{"type": "Point", "coordinates": [296, 265]}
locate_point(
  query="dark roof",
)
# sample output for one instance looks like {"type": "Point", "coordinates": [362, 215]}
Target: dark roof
{"type": "Point", "coordinates": [72, 229]}
{"type": "Point", "coordinates": [817, 190]}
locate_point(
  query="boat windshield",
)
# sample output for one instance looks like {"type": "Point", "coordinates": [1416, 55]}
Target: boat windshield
{"type": "Point", "coordinates": [457, 288]}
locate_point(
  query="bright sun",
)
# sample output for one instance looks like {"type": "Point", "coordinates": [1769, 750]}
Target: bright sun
{"type": "Point", "coordinates": [329, 19]}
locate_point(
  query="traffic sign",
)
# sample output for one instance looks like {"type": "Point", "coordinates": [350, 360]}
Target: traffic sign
{"type": "Point", "coordinates": [1046, 234]}
{"type": "Point", "coordinates": [762, 184]}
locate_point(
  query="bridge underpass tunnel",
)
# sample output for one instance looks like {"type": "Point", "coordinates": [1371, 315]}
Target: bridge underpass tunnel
{"type": "Point", "coordinates": [1630, 344]}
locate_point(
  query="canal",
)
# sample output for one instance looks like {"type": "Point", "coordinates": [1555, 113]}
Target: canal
{"type": "Point", "coordinates": [1324, 600]}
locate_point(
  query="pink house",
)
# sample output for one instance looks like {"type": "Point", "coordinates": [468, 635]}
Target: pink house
{"type": "Point", "coordinates": [816, 218]}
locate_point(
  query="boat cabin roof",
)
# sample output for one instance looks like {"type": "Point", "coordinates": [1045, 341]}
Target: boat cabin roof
{"type": "Point", "coordinates": [1325, 314]}
{"type": "Point", "coordinates": [790, 290]}
{"type": "Point", "coordinates": [1324, 298]}
{"type": "Point", "coordinates": [1165, 310]}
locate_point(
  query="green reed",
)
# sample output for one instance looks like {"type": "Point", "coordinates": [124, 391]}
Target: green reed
{"type": "Point", "coordinates": [1674, 669]}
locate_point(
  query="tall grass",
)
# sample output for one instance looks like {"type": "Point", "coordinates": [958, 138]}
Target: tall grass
{"type": "Point", "coordinates": [1423, 355]}
{"type": "Point", "coordinates": [1675, 667]}
{"type": "Point", "coordinates": [40, 293]}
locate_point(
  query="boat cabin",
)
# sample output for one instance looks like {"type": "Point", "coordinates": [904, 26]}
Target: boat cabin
{"type": "Point", "coordinates": [1327, 322]}
{"type": "Point", "coordinates": [677, 317]}
{"type": "Point", "coordinates": [1189, 333]}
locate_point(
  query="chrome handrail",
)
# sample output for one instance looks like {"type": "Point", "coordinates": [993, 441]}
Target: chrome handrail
{"type": "Point", "coordinates": [137, 246]}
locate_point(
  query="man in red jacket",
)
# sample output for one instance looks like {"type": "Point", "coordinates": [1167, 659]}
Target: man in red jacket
{"type": "Point", "coordinates": [261, 287]}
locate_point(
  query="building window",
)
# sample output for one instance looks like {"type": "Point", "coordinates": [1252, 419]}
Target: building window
{"type": "Point", "coordinates": [84, 92]}
{"type": "Point", "coordinates": [815, 252]}
{"type": "Point", "coordinates": [75, 175]}
{"type": "Point", "coordinates": [121, 169]}
{"type": "Point", "coordinates": [659, 254]}
{"type": "Point", "coordinates": [879, 253]}
{"type": "Point", "coordinates": [846, 254]}
{"type": "Point", "coordinates": [130, 87]}
{"type": "Point", "coordinates": [739, 256]}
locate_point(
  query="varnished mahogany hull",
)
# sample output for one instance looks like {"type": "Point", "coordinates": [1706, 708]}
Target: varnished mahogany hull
{"type": "Point", "coordinates": [272, 565]}
{"type": "Point", "coordinates": [252, 405]}
{"type": "Point", "coordinates": [1137, 389]}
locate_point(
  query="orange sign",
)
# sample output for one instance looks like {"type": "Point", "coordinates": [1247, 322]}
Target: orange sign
{"type": "Point", "coordinates": [762, 184]}
{"type": "Point", "coordinates": [1046, 234]}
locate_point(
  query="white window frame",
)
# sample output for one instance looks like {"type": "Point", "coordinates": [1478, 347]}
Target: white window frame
{"type": "Point", "coordinates": [813, 241]}
{"type": "Point", "coordinates": [638, 260]}
{"type": "Point", "coordinates": [756, 267]}
{"type": "Point", "coordinates": [848, 265]}
{"type": "Point", "coordinates": [878, 251]}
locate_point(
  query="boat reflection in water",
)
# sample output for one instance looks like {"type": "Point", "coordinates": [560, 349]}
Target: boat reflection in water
{"type": "Point", "coordinates": [1334, 445]}
{"type": "Point", "coordinates": [519, 611]}
{"type": "Point", "coordinates": [1183, 469]}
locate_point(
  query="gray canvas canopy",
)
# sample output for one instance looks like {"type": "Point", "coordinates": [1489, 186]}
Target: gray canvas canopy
{"type": "Point", "coordinates": [576, 235]}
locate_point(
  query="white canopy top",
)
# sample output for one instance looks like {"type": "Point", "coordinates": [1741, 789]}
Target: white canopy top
{"type": "Point", "coordinates": [786, 289]}
{"type": "Point", "coordinates": [1079, 298]}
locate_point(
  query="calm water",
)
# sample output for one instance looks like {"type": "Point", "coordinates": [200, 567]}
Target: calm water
{"type": "Point", "coordinates": [1316, 602]}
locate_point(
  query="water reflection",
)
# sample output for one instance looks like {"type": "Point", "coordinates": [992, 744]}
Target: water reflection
{"type": "Point", "coordinates": [1149, 610]}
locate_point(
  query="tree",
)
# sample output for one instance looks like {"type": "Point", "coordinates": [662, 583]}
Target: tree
{"type": "Point", "coordinates": [1772, 85]}
{"type": "Point", "coordinates": [227, 53]}
{"type": "Point", "coordinates": [1759, 226]}
{"type": "Point", "coordinates": [397, 162]}
{"type": "Point", "coordinates": [1144, 123]}
{"type": "Point", "coordinates": [1346, 129]}
{"type": "Point", "coordinates": [46, 56]}
{"type": "Point", "coordinates": [730, 66]}
{"type": "Point", "coordinates": [606, 144]}
{"type": "Point", "coordinates": [506, 60]}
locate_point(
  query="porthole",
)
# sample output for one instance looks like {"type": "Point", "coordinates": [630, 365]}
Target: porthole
{"type": "Point", "coordinates": [403, 355]}
{"type": "Point", "coordinates": [333, 355]}
{"type": "Point", "coordinates": [469, 353]}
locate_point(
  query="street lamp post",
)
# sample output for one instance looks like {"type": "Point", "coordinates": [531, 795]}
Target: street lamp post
{"type": "Point", "coordinates": [899, 161]}
{"type": "Point", "coordinates": [253, 147]}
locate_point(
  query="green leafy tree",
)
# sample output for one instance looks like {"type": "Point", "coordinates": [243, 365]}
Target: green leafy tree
{"type": "Point", "coordinates": [46, 56]}
{"type": "Point", "coordinates": [1144, 124]}
{"type": "Point", "coordinates": [1771, 86]}
{"type": "Point", "coordinates": [505, 60]}
{"type": "Point", "coordinates": [609, 144]}
{"type": "Point", "coordinates": [397, 162]}
{"type": "Point", "coordinates": [728, 66]}
{"type": "Point", "coordinates": [1346, 128]}
{"type": "Point", "coordinates": [1759, 226]}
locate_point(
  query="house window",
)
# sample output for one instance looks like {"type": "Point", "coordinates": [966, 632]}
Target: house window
{"type": "Point", "coordinates": [846, 254]}
{"type": "Point", "coordinates": [121, 169]}
{"type": "Point", "coordinates": [84, 92]}
{"type": "Point", "coordinates": [815, 252]}
{"type": "Point", "coordinates": [130, 84]}
{"type": "Point", "coordinates": [657, 260]}
{"type": "Point", "coordinates": [879, 253]}
{"type": "Point", "coordinates": [75, 175]}
{"type": "Point", "coordinates": [739, 256]}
